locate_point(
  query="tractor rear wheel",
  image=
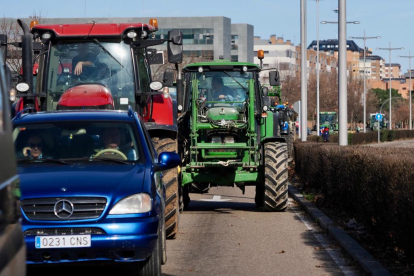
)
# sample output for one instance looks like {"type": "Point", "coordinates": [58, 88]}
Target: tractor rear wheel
{"type": "Point", "coordinates": [171, 182]}
{"type": "Point", "coordinates": [276, 177]}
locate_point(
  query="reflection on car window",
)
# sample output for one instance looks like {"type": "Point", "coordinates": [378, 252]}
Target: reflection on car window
{"type": "Point", "coordinates": [76, 140]}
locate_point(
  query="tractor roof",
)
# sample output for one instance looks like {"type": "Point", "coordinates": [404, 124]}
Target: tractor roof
{"type": "Point", "coordinates": [220, 65]}
{"type": "Point", "coordinates": [91, 29]}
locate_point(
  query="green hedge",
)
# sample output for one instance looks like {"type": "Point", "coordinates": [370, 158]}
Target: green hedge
{"type": "Point", "coordinates": [369, 137]}
{"type": "Point", "coordinates": [375, 185]}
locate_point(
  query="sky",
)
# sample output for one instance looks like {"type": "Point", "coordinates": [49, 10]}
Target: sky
{"type": "Point", "coordinates": [385, 18]}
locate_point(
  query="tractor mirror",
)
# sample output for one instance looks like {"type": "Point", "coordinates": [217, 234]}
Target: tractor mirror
{"type": "Point", "coordinates": [175, 46]}
{"type": "Point", "coordinates": [265, 91]}
{"type": "Point", "coordinates": [168, 78]}
{"type": "Point", "coordinates": [3, 47]}
{"type": "Point", "coordinates": [274, 78]}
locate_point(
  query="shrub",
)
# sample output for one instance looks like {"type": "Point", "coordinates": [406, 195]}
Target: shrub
{"type": "Point", "coordinates": [373, 184]}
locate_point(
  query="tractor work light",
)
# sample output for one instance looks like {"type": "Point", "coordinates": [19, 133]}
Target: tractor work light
{"type": "Point", "coordinates": [200, 69]}
{"type": "Point", "coordinates": [154, 23]}
{"type": "Point", "coordinates": [265, 108]}
{"type": "Point", "coordinates": [260, 54]}
{"type": "Point", "coordinates": [132, 34]}
{"type": "Point", "coordinates": [244, 68]}
{"type": "Point", "coordinates": [46, 36]}
{"type": "Point", "coordinates": [22, 87]}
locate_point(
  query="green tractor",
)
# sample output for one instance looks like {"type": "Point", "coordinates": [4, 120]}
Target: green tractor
{"type": "Point", "coordinates": [230, 136]}
{"type": "Point", "coordinates": [329, 119]}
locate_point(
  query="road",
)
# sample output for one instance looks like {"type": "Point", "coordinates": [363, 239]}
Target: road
{"type": "Point", "coordinates": [394, 144]}
{"type": "Point", "coordinates": [230, 236]}
{"type": "Point", "coordinates": [235, 238]}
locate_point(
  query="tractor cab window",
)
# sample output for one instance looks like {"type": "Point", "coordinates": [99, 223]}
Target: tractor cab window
{"type": "Point", "coordinates": [104, 63]}
{"type": "Point", "coordinates": [222, 88]}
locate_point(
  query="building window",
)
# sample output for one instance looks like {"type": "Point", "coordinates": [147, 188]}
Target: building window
{"type": "Point", "coordinates": [190, 36]}
{"type": "Point", "coordinates": [234, 58]}
{"type": "Point", "coordinates": [234, 42]}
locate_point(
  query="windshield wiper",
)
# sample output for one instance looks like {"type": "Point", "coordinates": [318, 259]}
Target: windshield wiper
{"type": "Point", "coordinates": [235, 80]}
{"type": "Point", "coordinates": [106, 51]}
{"type": "Point", "coordinates": [48, 160]}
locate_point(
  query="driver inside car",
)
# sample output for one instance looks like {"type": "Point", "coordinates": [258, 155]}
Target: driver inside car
{"type": "Point", "coordinates": [111, 138]}
{"type": "Point", "coordinates": [220, 91]}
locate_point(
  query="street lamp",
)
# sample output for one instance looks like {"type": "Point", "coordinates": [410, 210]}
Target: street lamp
{"type": "Point", "coordinates": [365, 110]}
{"type": "Point", "coordinates": [409, 90]}
{"type": "Point", "coordinates": [336, 22]}
{"type": "Point", "coordinates": [389, 71]}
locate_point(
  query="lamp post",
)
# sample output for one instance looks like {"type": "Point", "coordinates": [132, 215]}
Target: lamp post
{"type": "Point", "coordinates": [304, 83]}
{"type": "Point", "coordinates": [365, 86]}
{"type": "Point", "coordinates": [389, 71]}
{"type": "Point", "coordinates": [409, 90]}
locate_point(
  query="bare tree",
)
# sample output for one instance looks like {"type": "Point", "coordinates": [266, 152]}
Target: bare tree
{"type": "Point", "coordinates": [9, 27]}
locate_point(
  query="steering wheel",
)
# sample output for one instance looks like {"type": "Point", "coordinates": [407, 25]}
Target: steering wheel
{"type": "Point", "coordinates": [111, 151]}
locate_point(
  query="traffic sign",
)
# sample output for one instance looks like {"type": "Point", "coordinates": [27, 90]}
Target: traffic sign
{"type": "Point", "coordinates": [378, 116]}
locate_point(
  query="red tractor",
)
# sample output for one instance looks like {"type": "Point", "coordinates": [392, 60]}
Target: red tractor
{"type": "Point", "coordinates": [104, 66]}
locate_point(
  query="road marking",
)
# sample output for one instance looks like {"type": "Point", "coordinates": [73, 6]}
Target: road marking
{"type": "Point", "coordinates": [216, 199]}
{"type": "Point", "coordinates": [335, 254]}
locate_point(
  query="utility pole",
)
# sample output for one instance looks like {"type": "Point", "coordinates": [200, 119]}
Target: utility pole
{"type": "Point", "coordinates": [304, 75]}
{"type": "Point", "coordinates": [342, 80]}
{"type": "Point", "coordinates": [365, 85]}
{"type": "Point", "coordinates": [317, 68]}
{"type": "Point", "coordinates": [409, 90]}
{"type": "Point", "coordinates": [389, 71]}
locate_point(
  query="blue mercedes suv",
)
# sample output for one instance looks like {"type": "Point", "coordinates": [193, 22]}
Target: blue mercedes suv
{"type": "Point", "coordinates": [92, 188]}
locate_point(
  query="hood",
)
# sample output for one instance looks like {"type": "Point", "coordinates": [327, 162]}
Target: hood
{"type": "Point", "coordinates": [86, 95]}
{"type": "Point", "coordinates": [112, 182]}
{"type": "Point", "coordinates": [220, 113]}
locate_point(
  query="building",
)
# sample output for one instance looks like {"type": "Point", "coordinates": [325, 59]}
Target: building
{"type": "Point", "coordinates": [394, 70]}
{"type": "Point", "coordinates": [207, 38]}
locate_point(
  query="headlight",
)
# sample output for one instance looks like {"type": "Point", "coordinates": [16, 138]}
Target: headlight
{"type": "Point", "coordinates": [134, 204]}
{"type": "Point", "coordinates": [216, 139]}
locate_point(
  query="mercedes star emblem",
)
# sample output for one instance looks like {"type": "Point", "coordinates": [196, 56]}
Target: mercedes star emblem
{"type": "Point", "coordinates": [63, 209]}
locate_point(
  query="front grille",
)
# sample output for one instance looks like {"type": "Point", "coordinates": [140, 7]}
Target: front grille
{"type": "Point", "coordinates": [77, 208]}
{"type": "Point", "coordinates": [64, 231]}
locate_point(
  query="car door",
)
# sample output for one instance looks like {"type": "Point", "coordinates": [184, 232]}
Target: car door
{"type": "Point", "coordinates": [12, 245]}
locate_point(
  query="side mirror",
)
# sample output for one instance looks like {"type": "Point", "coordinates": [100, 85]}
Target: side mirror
{"type": "Point", "coordinates": [274, 78]}
{"type": "Point", "coordinates": [175, 46]}
{"type": "Point", "coordinates": [265, 91]}
{"type": "Point", "coordinates": [3, 47]}
{"type": "Point", "coordinates": [168, 78]}
{"type": "Point", "coordinates": [167, 160]}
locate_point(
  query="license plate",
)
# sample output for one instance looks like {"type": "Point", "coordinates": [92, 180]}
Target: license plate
{"type": "Point", "coordinates": [63, 241]}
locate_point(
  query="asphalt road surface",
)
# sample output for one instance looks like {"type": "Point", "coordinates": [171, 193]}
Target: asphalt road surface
{"type": "Point", "coordinates": [223, 233]}
{"type": "Point", "coordinates": [394, 144]}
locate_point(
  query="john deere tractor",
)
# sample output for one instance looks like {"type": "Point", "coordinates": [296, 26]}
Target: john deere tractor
{"type": "Point", "coordinates": [230, 137]}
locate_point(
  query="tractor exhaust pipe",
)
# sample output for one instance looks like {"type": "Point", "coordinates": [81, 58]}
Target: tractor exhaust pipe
{"type": "Point", "coordinates": [27, 61]}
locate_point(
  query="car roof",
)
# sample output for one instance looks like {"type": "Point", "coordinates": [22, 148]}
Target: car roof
{"type": "Point", "coordinates": [76, 115]}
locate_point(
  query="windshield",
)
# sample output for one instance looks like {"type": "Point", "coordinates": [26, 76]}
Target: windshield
{"type": "Point", "coordinates": [71, 140]}
{"type": "Point", "coordinates": [93, 62]}
{"type": "Point", "coordinates": [327, 118]}
{"type": "Point", "coordinates": [222, 87]}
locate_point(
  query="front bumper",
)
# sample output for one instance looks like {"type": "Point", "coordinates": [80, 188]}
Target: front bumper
{"type": "Point", "coordinates": [123, 240]}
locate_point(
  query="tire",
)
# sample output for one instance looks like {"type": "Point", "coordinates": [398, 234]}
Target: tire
{"type": "Point", "coordinates": [186, 196]}
{"type": "Point", "coordinates": [152, 266]}
{"type": "Point", "coordinates": [171, 182]}
{"type": "Point", "coordinates": [163, 253]}
{"type": "Point", "coordinates": [275, 197]}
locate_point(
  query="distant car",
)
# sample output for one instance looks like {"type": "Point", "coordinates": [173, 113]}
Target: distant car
{"type": "Point", "coordinates": [91, 188]}
{"type": "Point", "coordinates": [12, 246]}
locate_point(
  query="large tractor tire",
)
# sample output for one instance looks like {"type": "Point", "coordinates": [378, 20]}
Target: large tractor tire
{"type": "Point", "coordinates": [171, 182]}
{"type": "Point", "coordinates": [275, 197]}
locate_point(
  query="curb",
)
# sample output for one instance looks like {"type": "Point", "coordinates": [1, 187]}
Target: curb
{"type": "Point", "coordinates": [356, 251]}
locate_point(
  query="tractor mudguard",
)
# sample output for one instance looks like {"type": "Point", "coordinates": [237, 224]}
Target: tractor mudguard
{"type": "Point", "coordinates": [272, 139]}
{"type": "Point", "coordinates": [156, 130]}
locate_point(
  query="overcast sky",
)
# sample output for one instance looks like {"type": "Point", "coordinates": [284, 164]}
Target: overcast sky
{"type": "Point", "coordinates": [385, 18]}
